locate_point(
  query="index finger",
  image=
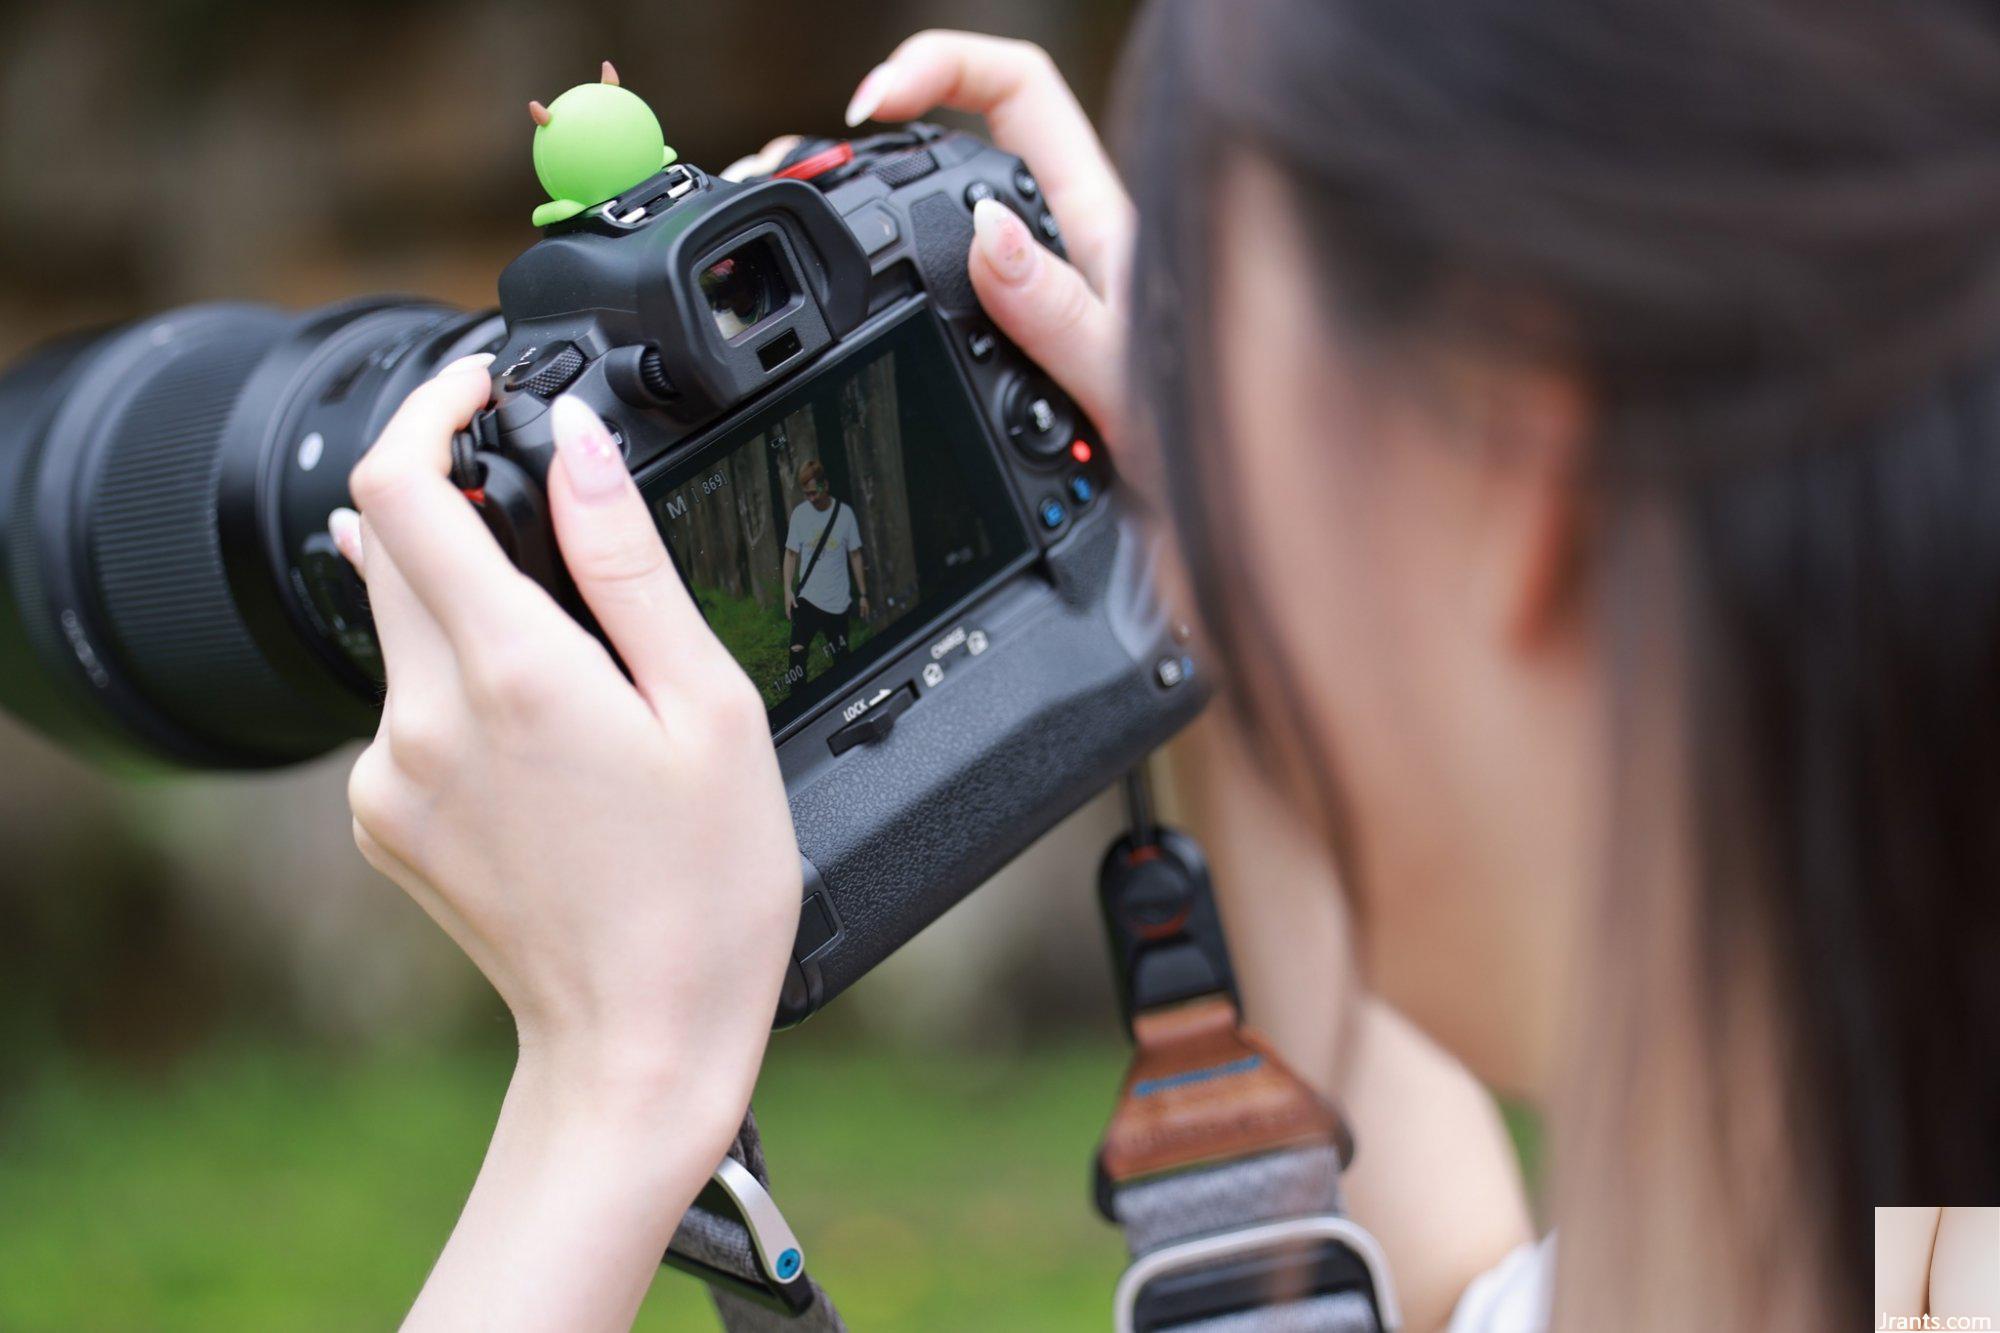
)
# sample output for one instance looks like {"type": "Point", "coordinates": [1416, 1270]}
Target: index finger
{"type": "Point", "coordinates": [1032, 114]}
{"type": "Point", "coordinates": [441, 546]}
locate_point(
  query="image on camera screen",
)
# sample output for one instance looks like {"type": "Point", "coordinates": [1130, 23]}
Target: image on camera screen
{"type": "Point", "coordinates": [817, 536]}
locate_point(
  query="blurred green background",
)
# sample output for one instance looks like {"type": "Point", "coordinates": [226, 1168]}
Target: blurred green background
{"type": "Point", "coordinates": [243, 1082]}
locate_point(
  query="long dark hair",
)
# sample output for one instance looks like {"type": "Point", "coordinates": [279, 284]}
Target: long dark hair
{"type": "Point", "coordinates": [1769, 234]}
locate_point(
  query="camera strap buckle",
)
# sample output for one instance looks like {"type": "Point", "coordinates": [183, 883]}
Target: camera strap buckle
{"type": "Point", "coordinates": [1320, 1272]}
{"type": "Point", "coordinates": [1220, 1164]}
{"type": "Point", "coordinates": [735, 1239]}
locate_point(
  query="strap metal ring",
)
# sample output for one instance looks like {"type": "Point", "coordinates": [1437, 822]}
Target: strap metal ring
{"type": "Point", "coordinates": [1221, 1245]}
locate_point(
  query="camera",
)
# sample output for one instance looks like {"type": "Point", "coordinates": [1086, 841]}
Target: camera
{"type": "Point", "coordinates": [806, 392]}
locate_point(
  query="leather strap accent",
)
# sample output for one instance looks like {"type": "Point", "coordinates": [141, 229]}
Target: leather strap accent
{"type": "Point", "coordinates": [1204, 1089]}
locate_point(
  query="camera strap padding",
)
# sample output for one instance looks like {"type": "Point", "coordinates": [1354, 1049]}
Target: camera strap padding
{"type": "Point", "coordinates": [1222, 1168]}
{"type": "Point", "coordinates": [1242, 1199]}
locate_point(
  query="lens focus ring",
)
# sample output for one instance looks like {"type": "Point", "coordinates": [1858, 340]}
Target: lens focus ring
{"type": "Point", "coordinates": [154, 546]}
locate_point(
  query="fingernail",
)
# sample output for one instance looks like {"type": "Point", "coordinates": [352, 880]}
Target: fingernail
{"type": "Point", "coordinates": [870, 94]}
{"type": "Point", "coordinates": [344, 526]}
{"type": "Point", "coordinates": [481, 360]}
{"type": "Point", "coordinates": [1003, 238]}
{"type": "Point", "coordinates": [596, 467]}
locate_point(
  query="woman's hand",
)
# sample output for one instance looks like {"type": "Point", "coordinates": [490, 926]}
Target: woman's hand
{"type": "Point", "coordinates": [616, 855]}
{"type": "Point", "coordinates": [1066, 317]}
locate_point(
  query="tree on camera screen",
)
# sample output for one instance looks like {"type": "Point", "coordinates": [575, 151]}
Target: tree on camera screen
{"type": "Point", "coordinates": [817, 536]}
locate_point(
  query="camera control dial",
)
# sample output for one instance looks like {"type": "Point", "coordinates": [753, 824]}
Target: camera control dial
{"type": "Point", "coordinates": [1038, 417]}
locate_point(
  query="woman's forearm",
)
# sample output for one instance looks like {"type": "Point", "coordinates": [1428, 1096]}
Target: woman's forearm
{"type": "Point", "coordinates": [581, 1189]}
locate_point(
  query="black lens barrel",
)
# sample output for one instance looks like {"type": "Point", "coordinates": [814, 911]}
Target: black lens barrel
{"type": "Point", "coordinates": [153, 505]}
{"type": "Point", "coordinates": [152, 545]}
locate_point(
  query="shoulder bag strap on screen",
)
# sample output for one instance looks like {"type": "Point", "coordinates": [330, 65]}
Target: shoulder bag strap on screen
{"type": "Point", "coordinates": [818, 549]}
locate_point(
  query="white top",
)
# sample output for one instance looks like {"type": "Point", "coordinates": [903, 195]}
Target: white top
{"type": "Point", "coordinates": [1512, 1296]}
{"type": "Point", "coordinates": [829, 588]}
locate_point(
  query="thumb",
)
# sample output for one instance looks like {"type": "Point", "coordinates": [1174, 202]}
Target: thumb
{"type": "Point", "coordinates": [618, 560]}
{"type": "Point", "coordinates": [1050, 312]}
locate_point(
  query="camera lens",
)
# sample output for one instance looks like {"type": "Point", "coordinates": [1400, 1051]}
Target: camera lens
{"type": "Point", "coordinates": [162, 487]}
{"type": "Point", "coordinates": [743, 287]}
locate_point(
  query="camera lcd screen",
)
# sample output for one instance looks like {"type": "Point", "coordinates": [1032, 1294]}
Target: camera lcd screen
{"type": "Point", "coordinates": [819, 534]}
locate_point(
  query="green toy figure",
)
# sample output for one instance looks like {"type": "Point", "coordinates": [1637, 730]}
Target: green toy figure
{"type": "Point", "coordinates": [593, 143]}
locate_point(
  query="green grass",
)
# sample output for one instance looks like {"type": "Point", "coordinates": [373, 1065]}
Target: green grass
{"type": "Point", "coordinates": [263, 1187]}
{"type": "Point", "coordinates": [761, 640]}
{"type": "Point", "coordinates": [260, 1187]}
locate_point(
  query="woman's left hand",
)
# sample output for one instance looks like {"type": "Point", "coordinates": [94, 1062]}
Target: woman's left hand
{"type": "Point", "coordinates": [615, 855]}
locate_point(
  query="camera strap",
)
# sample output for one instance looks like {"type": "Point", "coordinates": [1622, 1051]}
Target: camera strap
{"type": "Point", "coordinates": [736, 1240]}
{"type": "Point", "coordinates": [1220, 1164]}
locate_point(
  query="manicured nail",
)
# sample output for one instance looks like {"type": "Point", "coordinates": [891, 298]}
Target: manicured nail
{"type": "Point", "coordinates": [344, 526]}
{"type": "Point", "coordinates": [870, 94]}
{"type": "Point", "coordinates": [596, 466]}
{"type": "Point", "coordinates": [1003, 238]}
{"type": "Point", "coordinates": [478, 360]}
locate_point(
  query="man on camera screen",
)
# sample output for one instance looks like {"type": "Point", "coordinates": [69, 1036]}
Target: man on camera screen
{"type": "Point", "coordinates": [823, 569]}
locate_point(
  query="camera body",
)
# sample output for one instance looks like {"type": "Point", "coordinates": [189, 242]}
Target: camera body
{"type": "Point", "coordinates": [907, 535]}
{"type": "Point", "coordinates": [1022, 672]}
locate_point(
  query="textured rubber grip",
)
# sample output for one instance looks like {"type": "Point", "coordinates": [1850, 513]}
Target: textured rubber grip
{"type": "Point", "coordinates": [943, 235]}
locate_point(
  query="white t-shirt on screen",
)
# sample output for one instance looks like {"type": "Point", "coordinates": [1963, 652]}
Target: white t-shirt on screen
{"type": "Point", "coordinates": [829, 587]}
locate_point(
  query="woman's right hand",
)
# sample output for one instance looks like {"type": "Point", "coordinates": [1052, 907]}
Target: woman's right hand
{"type": "Point", "coordinates": [1065, 315]}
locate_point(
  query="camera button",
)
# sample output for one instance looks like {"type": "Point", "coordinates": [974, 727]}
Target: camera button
{"type": "Point", "coordinates": [1082, 490]}
{"type": "Point", "coordinates": [1045, 222]}
{"type": "Point", "coordinates": [980, 344]}
{"type": "Point", "coordinates": [979, 190]}
{"type": "Point", "coordinates": [1037, 418]}
{"type": "Point", "coordinates": [1025, 184]}
{"type": "Point", "coordinates": [817, 927]}
{"type": "Point", "coordinates": [876, 723]}
{"type": "Point", "coordinates": [546, 371]}
{"type": "Point", "coordinates": [1051, 512]}
{"type": "Point", "coordinates": [874, 228]}
{"type": "Point", "coordinates": [1171, 671]}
